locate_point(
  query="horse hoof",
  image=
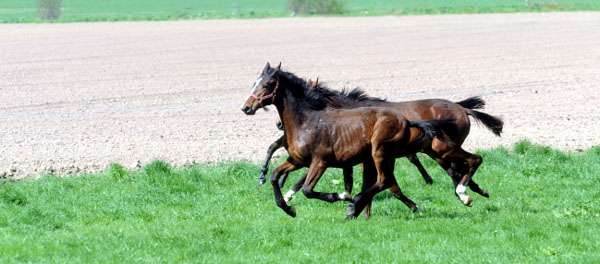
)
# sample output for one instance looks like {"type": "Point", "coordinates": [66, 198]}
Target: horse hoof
{"type": "Point", "coordinates": [291, 211]}
{"type": "Point", "coordinates": [349, 217]}
{"type": "Point", "coordinates": [350, 210]}
{"type": "Point", "coordinates": [429, 181]}
{"type": "Point", "coordinates": [468, 202]}
{"type": "Point", "coordinates": [485, 193]}
{"type": "Point", "coordinates": [261, 181]}
{"type": "Point", "coordinates": [417, 209]}
{"type": "Point", "coordinates": [287, 198]}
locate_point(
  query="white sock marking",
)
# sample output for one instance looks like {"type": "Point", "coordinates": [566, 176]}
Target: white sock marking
{"type": "Point", "coordinates": [461, 192]}
{"type": "Point", "coordinates": [461, 189]}
{"type": "Point", "coordinates": [288, 196]}
{"type": "Point", "coordinates": [343, 195]}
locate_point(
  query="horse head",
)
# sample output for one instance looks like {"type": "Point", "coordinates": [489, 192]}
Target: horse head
{"type": "Point", "coordinates": [264, 90]}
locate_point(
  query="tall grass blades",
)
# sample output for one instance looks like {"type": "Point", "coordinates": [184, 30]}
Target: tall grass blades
{"type": "Point", "coordinates": [544, 208]}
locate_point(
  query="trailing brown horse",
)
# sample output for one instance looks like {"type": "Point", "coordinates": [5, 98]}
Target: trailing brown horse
{"type": "Point", "coordinates": [319, 138]}
{"type": "Point", "coordinates": [457, 162]}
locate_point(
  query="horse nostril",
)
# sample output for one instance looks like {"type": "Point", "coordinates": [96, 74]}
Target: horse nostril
{"type": "Point", "coordinates": [246, 109]}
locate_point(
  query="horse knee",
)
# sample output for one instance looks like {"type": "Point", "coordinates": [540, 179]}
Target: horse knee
{"type": "Point", "coordinates": [273, 177]}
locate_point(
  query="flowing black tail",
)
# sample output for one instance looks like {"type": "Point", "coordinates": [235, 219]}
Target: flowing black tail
{"type": "Point", "coordinates": [472, 103]}
{"type": "Point", "coordinates": [434, 128]}
{"type": "Point", "coordinates": [494, 124]}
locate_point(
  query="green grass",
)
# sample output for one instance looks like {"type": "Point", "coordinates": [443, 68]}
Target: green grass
{"type": "Point", "coordinates": [544, 208]}
{"type": "Point", "coordinates": [17, 11]}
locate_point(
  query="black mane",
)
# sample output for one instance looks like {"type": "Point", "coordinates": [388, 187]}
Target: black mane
{"type": "Point", "coordinates": [299, 88]}
{"type": "Point", "coordinates": [357, 94]}
{"type": "Point", "coordinates": [319, 97]}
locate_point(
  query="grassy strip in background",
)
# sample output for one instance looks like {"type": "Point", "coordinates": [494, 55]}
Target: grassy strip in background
{"type": "Point", "coordinates": [16, 11]}
{"type": "Point", "coordinates": [544, 207]}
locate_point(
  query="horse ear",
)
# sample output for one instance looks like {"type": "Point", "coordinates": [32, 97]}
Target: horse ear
{"type": "Point", "coordinates": [312, 84]}
{"type": "Point", "coordinates": [309, 82]}
{"type": "Point", "coordinates": [278, 67]}
{"type": "Point", "coordinates": [267, 67]}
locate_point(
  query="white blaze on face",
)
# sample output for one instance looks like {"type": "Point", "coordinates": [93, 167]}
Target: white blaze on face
{"type": "Point", "coordinates": [256, 84]}
{"type": "Point", "coordinates": [254, 88]}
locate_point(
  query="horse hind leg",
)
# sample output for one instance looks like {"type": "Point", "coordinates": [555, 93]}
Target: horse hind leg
{"type": "Point", "coordinates": [473, 161]}
{"type": "Point", "coordinates": [415, 161]}
{"type": "Point", "coordinates": [455, 170]}
{"type": "Point", "coordinates": [463, 169]}
{"type": "Point", "coordinates": [395, 190]}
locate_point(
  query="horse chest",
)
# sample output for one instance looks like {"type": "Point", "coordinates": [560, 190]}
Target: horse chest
{"type": "Point", "coordinates": [303, 147]}
{"type": "Point", "coordinates": [298, 149]}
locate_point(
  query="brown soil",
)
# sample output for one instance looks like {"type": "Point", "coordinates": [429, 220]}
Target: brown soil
{"type": "Point", "coordinates": [79, 96]}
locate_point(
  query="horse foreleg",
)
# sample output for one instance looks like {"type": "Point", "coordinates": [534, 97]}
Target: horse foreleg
{"type": "Point", "coordinates": [289, 195]}
{"type": "Point", "coordinates": [348, 182]}
{"type": "Point", "coordinates": [285, 166]}
{"type": "Point", "coordinates": [346, 195]}
{"type": "Point", "coordinates": [265, 167]}
{"type": "Point", "coordinates": [283, 180]}
{"type": "Point", "coordinates": [369, 179]}
{"type": "Point", "coordinates": [384, 181]}
{"type": "Point", "coordinates": [315, 171]}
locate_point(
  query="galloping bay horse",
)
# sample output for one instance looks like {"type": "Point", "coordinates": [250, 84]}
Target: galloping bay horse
{"type": "Point", "coordinates": [458, 163]}
{"type": "Point", "coordinates": [318, 138]}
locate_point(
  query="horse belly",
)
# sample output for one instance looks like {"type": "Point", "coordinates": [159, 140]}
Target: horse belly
{"type": "Point", "coordinates": [349, 145]}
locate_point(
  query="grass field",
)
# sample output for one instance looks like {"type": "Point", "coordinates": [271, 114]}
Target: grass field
{"type": "Point", "coordinates": [544, 208]}
{"type": "Point", "coordinates": [12, 11]}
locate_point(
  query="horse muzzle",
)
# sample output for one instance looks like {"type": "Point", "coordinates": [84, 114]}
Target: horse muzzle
{"type": "Point", "coordinates": [248, 110]}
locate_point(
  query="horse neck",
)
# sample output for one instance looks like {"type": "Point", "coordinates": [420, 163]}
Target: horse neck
{"type": "Point", "coordinates": [291, 110]}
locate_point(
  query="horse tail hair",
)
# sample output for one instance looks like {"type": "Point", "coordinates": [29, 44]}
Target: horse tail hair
{"type": "Point", "coordinates": [434, 128]}
{"type": "Point", "coordinates": [494, 124]}
{"type": "Point", "coordinates": [472, 103]}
